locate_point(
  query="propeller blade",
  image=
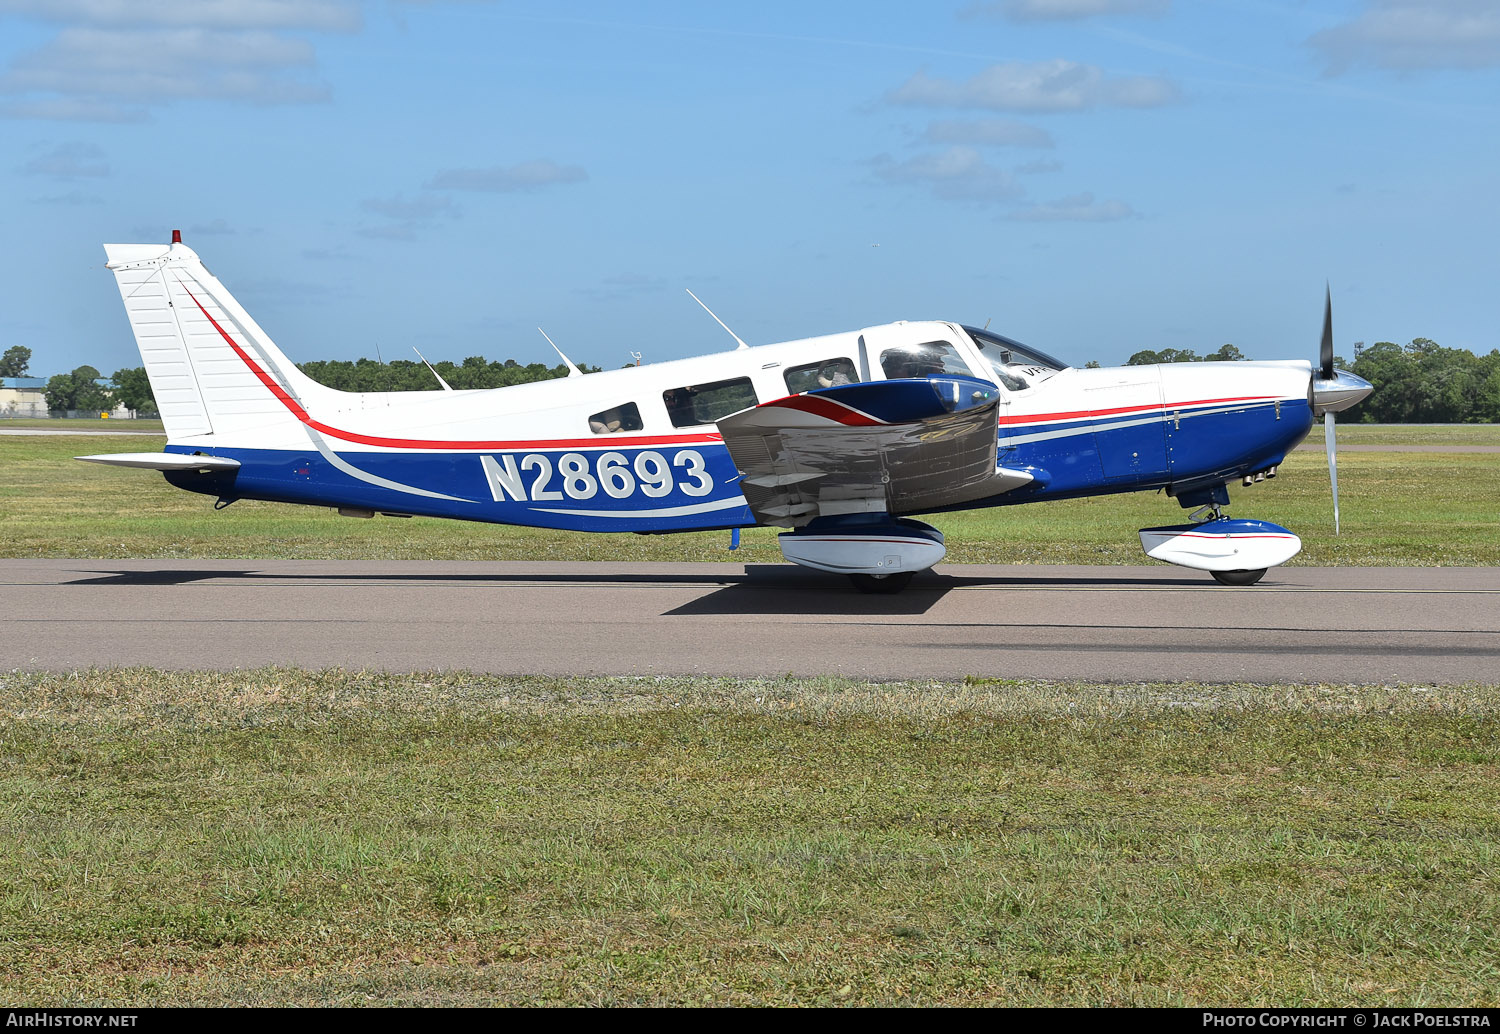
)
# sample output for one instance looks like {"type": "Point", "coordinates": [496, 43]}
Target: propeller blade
{"type": "Point", "coordinates": [1333, 465]}
{"type": "Point", "coordinates": [1325, 353]}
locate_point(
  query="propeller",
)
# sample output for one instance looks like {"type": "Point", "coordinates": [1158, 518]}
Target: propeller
{"type": "Point", "coordinates": [1325, 371]}
{"type": "Point", "coordinates": [1325, 354]}
{"type": "Point", "coordinates": [1333, 466]}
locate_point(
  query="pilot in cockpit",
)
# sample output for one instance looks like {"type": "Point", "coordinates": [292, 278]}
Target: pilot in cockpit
{"type": "Point", "coordinates": [915, 362]}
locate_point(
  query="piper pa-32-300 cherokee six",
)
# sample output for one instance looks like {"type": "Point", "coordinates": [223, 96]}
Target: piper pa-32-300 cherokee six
{"type": "Point", "coordinates": [838, 439]}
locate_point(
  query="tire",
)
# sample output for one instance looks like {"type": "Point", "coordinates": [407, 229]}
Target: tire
{"type": "Point", "coordinates": [1238, 577]}
{"type": "Point", "coordinates": [881, 584]}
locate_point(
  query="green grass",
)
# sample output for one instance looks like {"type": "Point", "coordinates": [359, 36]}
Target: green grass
{"type": "Point", "coordinates": [1398, 509]}
{"type": "Point", "coordinates": [281, 836]}
{"type": "Point", "coordinates": [1412, 434]}
{"type": "Point", "coordinates": [86, 424]}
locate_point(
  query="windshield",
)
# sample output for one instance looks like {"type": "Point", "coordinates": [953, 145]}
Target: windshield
{"type": "Point", "coordinates": [1016, 366]}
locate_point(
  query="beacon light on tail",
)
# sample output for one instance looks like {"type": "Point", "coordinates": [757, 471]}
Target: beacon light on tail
{"type": "Point", "coordinates": [838, 440]}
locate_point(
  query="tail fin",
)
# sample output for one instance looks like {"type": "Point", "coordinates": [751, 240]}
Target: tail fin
{"type": "Point", "coordinates": [212, 369]}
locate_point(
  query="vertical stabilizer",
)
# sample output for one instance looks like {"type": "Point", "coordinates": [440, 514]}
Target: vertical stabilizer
{"type": "Point", "coordinates": [212, 369]}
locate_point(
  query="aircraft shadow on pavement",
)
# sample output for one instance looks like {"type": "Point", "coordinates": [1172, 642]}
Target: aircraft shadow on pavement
{"type": "Point", "coordinates": [785, 589]}
{"type": "Point", "coordinates": [761, 589]}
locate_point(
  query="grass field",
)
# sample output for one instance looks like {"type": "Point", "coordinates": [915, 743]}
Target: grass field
{"type": "Point", "coordinates": [1412, 434]}
{"type": "Point", "coordinates": [1398, 509]}
{"type": "Point", "coordinates": [291, 837]}
{"type": "Point", "coordinates": [83, 424]}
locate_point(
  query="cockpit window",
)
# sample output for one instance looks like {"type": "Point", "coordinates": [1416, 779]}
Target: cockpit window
{"type": "Point", "coordinates": [929, 359]}
{"type": "Point", "coordinates": [613, 421]}
{"type": "Point", "coordinates": [826, 374]}
{"type": "Point", "coordinates": [1015, 366]}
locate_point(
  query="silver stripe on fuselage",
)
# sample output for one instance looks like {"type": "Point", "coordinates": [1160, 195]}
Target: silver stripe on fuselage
{"type": "Point", "coordinates": [1115, 425]}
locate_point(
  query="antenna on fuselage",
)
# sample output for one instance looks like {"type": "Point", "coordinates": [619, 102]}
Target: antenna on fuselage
{"type": "Point", "coordinates": [573, 371]}
{"type": "Point", "coordinates": [720, 322]}
{"type": "Point", "coordinates": [445, 384]}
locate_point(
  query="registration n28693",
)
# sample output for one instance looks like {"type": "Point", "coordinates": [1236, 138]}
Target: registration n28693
{"type": "Point", "coordinates": [543, 477]}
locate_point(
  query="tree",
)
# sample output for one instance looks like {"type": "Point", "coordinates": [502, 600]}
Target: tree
{"type": "Point", "coordinates": [133, 391]}
{"type": "Point", "coordinates": [405, 375]}
{"type": "Point", "coordinates": [1146, 357]}
{"type": "Point", "coordinates": [1424, 382]}
{"type": "Point", "coordinates": [15, 360]}
{"type": "Point", "coordinates": [1225, 354]}
{"type": "Point", "coordinates": [77, 390]}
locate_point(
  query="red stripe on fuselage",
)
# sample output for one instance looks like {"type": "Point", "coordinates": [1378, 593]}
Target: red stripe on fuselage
{"type": "Point", "coordinates": [414, 443]}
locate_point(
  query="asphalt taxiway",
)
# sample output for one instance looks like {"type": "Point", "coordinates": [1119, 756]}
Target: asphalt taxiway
{"type": "Point", "coordinates": [1301, 624]}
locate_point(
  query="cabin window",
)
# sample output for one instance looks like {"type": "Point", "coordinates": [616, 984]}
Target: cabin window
{"type": "Point", "coordinates": [612, 421]}
{"type": "Point", "coordinates": [929, 359]}
{"type": "Point", "coordinates": [826, 373]}
{"type": "Point", "coordinates": [704, 403]}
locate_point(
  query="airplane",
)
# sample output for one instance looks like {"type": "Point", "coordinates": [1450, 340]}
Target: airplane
{"type": "Point", "coordinates": [840, 440]}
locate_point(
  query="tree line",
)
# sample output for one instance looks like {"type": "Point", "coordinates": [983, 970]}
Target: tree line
{"type": "Point", "coordinates": [406, 375]}
{"type": "Point", "coordinates": [1418, 383]}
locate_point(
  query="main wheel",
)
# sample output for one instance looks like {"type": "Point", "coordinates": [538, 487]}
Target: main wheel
{"type": "Point", "coordinates": [1238, 577]}
{"type": "Point", "coordinates": [882, 584]}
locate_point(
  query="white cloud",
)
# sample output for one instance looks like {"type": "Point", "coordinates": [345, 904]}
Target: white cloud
{"type": "Point", "coordinates": [990, 132]}
{"type": "Point", "coordinates": [113, 59]}
{"type": "Point", "coordinates": [73, 109]}
{"type": "Point", "coordinates": [957, 174]}
{"type": "Point", "coordinates": [1056, 85]}
{"type": "Point", "coordinates": [420, 208]}
{"type": "Point", "coordinates": [1040, 166]}
{"type": "Point", "coordinates": [1055, 10]}
{"type": "Point", "coordinates": [1078, 208]}
{"type": "Point", "coordinates": [154, 65]}
{"type": "Point", "coordinates": [526, 176]}
{"type": "Point", "coordinates": [324, 15]}
{"type": "Point", "coordinates": [69, 161]}
{"type": "Point", "coordinates": [1415, 34]}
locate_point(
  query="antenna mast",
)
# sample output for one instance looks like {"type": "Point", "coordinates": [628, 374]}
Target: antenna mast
{"type": "Point", "coordinates": [573, 371]}
{"type": "Point", "coordinates": [720, 322]}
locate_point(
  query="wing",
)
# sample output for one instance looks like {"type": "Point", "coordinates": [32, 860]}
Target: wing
{"type": "Point", "coordinates": [899, 446]}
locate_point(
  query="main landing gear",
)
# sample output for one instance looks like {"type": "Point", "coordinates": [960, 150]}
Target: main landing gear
{"type": "Point", "coordinates": [881, 584]}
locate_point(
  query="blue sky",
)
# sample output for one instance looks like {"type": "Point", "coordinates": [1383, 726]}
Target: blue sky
{"type": "Point", "coordinates": [1092, 176]}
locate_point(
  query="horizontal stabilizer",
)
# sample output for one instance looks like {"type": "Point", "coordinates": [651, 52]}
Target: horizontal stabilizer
{"type": "Point", "coordinates": [163, 461]}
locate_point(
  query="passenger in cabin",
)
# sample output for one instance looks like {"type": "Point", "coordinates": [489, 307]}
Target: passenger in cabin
{"type": "Point", "coordinates": [680, 406]}
{"type": "Point", "coordinates": [839, 371]}
{"type": "Point", "coordinates": [625, 417]}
